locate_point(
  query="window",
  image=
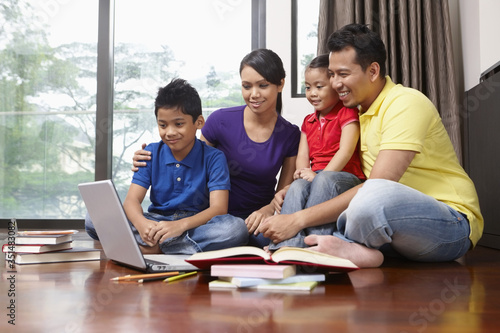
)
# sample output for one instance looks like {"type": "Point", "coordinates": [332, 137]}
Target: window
{"type": "Point", "coordinates": [47, 106]}
{"type": "Point", "coordinates": [304, 40]}
{"type": "Point", "coordinates": [48, 61]}
{"type": "Point", "coordinates": [200, 41]}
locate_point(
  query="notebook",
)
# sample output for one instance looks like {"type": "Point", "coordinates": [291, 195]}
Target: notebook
{"type": "Point", "coordinates": [116, 237]}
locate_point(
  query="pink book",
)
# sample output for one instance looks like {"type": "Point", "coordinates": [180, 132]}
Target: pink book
{"type": "Point", "coordinates": [254, 271]}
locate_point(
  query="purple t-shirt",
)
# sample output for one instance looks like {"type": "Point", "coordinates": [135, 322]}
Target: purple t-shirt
{"type": "Point", "coordinates": [253, 166]}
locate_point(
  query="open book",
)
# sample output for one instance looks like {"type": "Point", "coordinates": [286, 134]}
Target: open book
{"type": "Point", "coordinates": [307, 259]}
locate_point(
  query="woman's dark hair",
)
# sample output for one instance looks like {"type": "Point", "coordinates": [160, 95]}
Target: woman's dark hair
{"type": "Point", "coordinates": [368, 45]}
{"type": "Point", "coordinates": [269, 65]}
{"type": "Point", "coordinates": [179, 94]}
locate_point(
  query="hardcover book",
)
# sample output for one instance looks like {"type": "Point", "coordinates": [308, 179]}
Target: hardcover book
{"type": "Point", "coordinates": [298, 286]}
{"type": "Point", "coordinates": [75, 254]}
{"type": "Point", "coordinates": [36, 248]}
{"type": "Point", "coordinates": [243, 282]}
{"type": "Point", "coordinates": [307, 259]}
{"type": "Point", "coordinates": [43, 239]}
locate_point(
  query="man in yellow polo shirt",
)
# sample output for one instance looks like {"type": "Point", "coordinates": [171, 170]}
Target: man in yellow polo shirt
{"type": "Point", "coordinates": [418, 202]}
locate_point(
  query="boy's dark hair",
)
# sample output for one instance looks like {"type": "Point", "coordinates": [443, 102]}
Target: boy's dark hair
{"type": "Point", "coordinates": [179, 94]}
{"type": "Point", "coordinates": [368, 45]}
{"type": "Point", "coordinates": [321, 61]}
{"type": "Point", "coordinates": [269, 65]}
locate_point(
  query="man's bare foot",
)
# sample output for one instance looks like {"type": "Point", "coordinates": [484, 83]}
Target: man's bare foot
{"type": "Point", "coordinates": [360, 255]}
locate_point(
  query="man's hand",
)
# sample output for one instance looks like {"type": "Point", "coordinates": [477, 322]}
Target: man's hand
{"type": "Point", "coordinates": [279, 227]}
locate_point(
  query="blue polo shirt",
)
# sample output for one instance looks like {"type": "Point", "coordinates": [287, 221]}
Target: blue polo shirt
{"type": "Point", "coordinates": [182, 185]}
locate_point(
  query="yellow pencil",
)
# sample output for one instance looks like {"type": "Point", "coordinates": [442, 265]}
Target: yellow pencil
{"type": "Point", "coordinates": [143, 276]}
{"type": "Point", "coordinates": [178, 277]}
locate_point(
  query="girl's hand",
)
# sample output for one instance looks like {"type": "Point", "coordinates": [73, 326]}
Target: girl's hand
{"type": "Point", "coordinates": [307, 174]}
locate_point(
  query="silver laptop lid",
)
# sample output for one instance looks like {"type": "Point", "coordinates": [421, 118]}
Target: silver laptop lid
{"type": "Point", "coordinates": [112, 226]}
{"type": "Point", "coordinates": [116, 237]}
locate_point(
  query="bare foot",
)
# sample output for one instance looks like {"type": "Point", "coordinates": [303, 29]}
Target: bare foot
{"type": "Point", "coordinates": [359, 254]}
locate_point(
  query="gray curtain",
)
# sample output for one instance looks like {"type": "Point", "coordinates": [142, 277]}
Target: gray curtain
{"type": "Point", "coordinates": [417, 35]}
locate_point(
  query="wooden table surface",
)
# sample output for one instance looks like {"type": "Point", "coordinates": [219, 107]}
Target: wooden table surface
{"type": "Point", "coordinates": [462, 296]}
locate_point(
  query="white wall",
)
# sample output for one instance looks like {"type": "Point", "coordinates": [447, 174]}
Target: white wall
{"type": "Point", "coordinates": [279, 39]}
{"type": "Point", "coordinates": [479, 23]}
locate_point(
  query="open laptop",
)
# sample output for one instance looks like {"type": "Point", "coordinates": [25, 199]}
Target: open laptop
{"type": "Point", "coordinates": [116, 237]}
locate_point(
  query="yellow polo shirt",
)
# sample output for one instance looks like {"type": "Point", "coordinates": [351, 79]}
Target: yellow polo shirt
{"type": "Point", "coordinates": [403, 118]}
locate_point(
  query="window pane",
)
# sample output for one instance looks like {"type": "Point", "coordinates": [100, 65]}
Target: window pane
{"type": "Point", "coordinates": [197, 40]}
{"type": "Point", "coordinates": [306, 39]}
{"type": "Point", "coordinates": [48, 68]}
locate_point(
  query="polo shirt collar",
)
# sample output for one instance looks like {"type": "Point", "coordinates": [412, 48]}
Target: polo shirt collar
{"type": "Point", "coordinates": [190, 160]}
{"type": "Point", "coordinates": [375, 106]}
{"type": "Point", "coordinates": [330, 115]}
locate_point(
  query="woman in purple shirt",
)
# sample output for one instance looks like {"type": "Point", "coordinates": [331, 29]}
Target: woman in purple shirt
{"type": "Point", "coordinates": [257, 141]}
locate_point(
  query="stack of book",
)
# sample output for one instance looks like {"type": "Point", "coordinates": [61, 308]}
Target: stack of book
{"type": "Point", "coordinates": [288, 268]}
{"type": "Point", "coordinates": [263, 277]}
{"type": "Point", "coordinates": [38, 247]}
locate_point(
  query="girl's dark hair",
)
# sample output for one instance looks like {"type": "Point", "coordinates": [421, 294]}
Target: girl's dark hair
{"type": "Point", "coordinates": [321, 61]}
{"type": "Point", "coordinates": [269, 65]}
{"type": "Point", "coordinates": [179, 94]}
{"type": "Point", "coordinates": [368, 45]}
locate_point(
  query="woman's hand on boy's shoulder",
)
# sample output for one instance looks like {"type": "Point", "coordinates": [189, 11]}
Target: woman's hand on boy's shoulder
{"type": "Point", "coordinates": [139, 157]}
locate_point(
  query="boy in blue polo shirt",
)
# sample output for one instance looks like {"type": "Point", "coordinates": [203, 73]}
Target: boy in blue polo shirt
{"type": "Point", "coordinates": [189, 184]}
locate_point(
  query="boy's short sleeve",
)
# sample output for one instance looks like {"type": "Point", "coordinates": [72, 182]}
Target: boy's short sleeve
{"type": "Point", "coordinates": [218, 175]}
{"type": "Point", "coordinates": [142, 177]}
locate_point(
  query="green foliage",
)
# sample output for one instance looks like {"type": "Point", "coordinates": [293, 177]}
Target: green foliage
{"type": "Point", "coordinates": [47, 112]}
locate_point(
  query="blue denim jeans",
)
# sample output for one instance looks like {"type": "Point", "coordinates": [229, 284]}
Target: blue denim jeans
{"type": "Point", "coordinates": [220, 232]}
{"type": "Point", "coordinates": [392, 217]}
{"type": "Point", "coordinates": [304, 194]}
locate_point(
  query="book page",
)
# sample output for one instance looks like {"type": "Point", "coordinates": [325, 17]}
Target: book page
{"type": "Point", "coordinates": [314, 257]}
{"type": "Point", "coordinates": [231, 252]}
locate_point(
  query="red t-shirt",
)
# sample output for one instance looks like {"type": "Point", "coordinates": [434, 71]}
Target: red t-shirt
{"type": "Point", "coordinates": [323, 138]}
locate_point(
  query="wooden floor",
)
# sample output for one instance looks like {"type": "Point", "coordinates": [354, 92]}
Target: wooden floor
{"type": "Point", "coordinates": [462, 296]}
